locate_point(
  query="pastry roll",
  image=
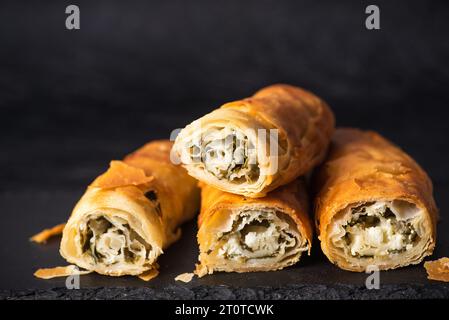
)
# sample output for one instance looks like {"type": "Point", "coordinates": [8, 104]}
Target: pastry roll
{"type": "Point", "coordinates": [252, 146]}
{"type": "Point", "coordinates": [243, 234]}
{"type": "Point", "coordinates": [131, 213]}
{"type": "Point", "coordinates": [374, 205]}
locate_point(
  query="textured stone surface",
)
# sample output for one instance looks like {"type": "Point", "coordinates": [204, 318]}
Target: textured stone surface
{"type": "Point", "coordinates": [291, 292]}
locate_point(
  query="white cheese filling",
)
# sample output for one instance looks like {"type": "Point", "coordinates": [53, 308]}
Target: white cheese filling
{"type": "Point", "coordinates": [375, 231]}
{"type": "Point", "coordinates": [111, 241]}
{"type": "Point", "coordinates": [225, 153]}
{"type": "Point", "coordinates": [377, 241]}
{"type": "Point", "coordinates": [257, 235]}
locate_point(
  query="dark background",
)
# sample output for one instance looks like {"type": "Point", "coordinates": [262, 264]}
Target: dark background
{"type": "Point", "coordinates": [72, 100]}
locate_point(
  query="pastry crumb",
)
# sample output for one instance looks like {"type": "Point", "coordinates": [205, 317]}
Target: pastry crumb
{"type": "Point", "coordinates": [50, 273]}
{"type": "Point", "coordinates": [185, 277]}
{"type": "Point", "coordinates": [149, 275]}
{"type": "Point", "coordinates": [438, 269]}
{"type": "Point", "coordinates": [46, 234]}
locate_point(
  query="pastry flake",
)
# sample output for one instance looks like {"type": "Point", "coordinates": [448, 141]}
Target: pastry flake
{"type": "Point", "coordinates": [46, 234]}
{"type": "Point", "coordinates": [185, 277]}
{"type": "Point", "coordinates": [438, 269]}
{"type": "Point", "coordinates": [56, 272]}
{"type": "Point", "coordinates": [149, 275]}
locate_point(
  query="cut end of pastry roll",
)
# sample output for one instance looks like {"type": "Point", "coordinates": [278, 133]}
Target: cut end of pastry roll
{"type": "Point", "coordinates": [112, 241]}
{"type": "Point", "coordinates": [223, 155]}
{"type": "Point", "coordinates": [115, 228]}
{"type": "Point", "coordinates": [128, 215]}
{"type": "Point", "coordinates": [243, 235]}
{"type": "Point", "coordinates": [374, 205]}
{"type": "Point", "coordinates": [252, 146]}
{"type": "Point", "coordinates": [386, 234]}
{"type": "Point", "coordinates": [260, 239]}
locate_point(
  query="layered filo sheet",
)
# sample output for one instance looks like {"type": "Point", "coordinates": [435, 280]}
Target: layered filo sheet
{"type": "Point", "coordinates": [374, 205]}
{"type": "Point", "coordinates": [252, 146]}
{"type": "Point", "coordinates": [238, 234]}
{"type": "Point", "coordinates": [131, 213]}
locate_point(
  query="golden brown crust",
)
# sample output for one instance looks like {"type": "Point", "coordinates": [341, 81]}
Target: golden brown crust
{"type": "Point", "coordinates": [177, 191]}
{"type": "Point", "coordinates": [304, 122]}
{"type": "Point", "coordinates": [217, 205]}
{"type": "Point", "coordinates": [120, 174]}
{"type": "Point", "coordinates": [361, 167]}
{"type": "Point", "coordinates": [123, 192]}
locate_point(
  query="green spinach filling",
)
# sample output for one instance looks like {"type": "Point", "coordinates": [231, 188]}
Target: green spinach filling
{"type": "Point", "coordinates": [257, 235]}
{"type": "Point", "coordinates": [227, 154]}
{"type": "Point", "coordinates": [112, 241]}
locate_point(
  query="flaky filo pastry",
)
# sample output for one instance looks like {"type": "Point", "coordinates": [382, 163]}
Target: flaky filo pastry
{"type": "Point", "coordinates": [131, 213]}
{"type": "Point", "coordinates": [238, 234]}
{"type": "Point", "coordinates": [374, 205]}
{"type": "Point", "coordinates": [252, 146]}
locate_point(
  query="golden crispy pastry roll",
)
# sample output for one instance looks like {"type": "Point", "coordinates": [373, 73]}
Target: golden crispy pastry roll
{"type": "Point", "coordinates": [243, 234]}
{"type": "Point", "coordinates": [131, 213]}
{"type": "Point", "coordinates": [255, 145]}
{"type": "Point", "coordinates": [374, 204]}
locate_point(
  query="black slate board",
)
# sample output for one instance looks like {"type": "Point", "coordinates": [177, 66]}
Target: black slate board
{"type": "Point", "coordinates": [313, 277]}
{"type": "Point", "coordinates": [71, 101]}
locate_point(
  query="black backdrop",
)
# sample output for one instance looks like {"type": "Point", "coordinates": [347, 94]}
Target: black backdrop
{"type": "Point", "coordinates": [137, 69]}
{"type": "Point", "coordinates": [70, 101]}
